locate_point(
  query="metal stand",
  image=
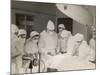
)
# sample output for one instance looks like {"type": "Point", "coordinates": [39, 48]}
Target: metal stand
{"type": "Point", "coordinates": [39, 62]}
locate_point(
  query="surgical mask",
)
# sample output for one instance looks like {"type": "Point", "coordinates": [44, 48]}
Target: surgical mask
{"type": "Point", "coordinates": [35, 39]}
{"type": "Point", "coordinates": [94, 35]}
{"type": "Point", "coordinates": [22, 38]}
{"type": "Point", "coordinates": [50, 32]}
{"type": "Point", "coordinates": [78, 43]}
{"type": "Point", "coordinates": [60, 29]}
{"type": "Point", "coordinates": [14, 36]}
{"type": "Point", "coordinates": [14, 33]}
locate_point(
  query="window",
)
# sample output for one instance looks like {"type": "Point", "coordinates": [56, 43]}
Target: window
{"type": "Point", "coordinates": [24, 21]}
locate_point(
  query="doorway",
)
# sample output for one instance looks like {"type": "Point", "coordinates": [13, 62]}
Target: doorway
{"type": "Point", "coordinates": [68, 22]}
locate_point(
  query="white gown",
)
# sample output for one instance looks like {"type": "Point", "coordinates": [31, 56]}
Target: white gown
{"type": "Point", "coordinates": [48, 43]}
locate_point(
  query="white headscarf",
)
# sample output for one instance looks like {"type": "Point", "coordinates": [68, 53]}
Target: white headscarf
{"type": "Point", "coordinates": [61, 25]}
{"type": "Point", "coordinates": [50, 25]}
{"type": "Point", "coordinates": [33, 33]}
{"type": "Point", "coordinates": [78, 37]}
{"type": "Point", "coordinates": [22, 31]}
{"type": "Point", "coordinates": [14, 29]}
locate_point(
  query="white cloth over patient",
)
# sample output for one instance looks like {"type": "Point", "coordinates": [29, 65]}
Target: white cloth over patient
{"type": "Point", "coordinates": [86, 52]}
{"type": "Point", "coordinates": [66, 62]}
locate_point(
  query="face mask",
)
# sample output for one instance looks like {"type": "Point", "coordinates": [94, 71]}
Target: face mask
{"type": "Point", "coordinates": [14, 35]}
{"type": "Point", "coordinates": [35, 39]}
{"type": "Point", "coordinates": [94, 37]}
{"type": "Point", "coordinates": [94, 34]}
{"type": "Point", "coordinates": [21, 40]}
{"type": "Point", "coordinates": [78, 43]}
{"type": "Point", "coordinates": [50, 33]}
{"type": "Point", "coordinates": [61, 29]}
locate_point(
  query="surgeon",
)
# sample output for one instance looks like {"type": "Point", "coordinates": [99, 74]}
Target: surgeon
{"type": "Point", "coordinates": [77, 56]}
{"type": "Point", "coordinates": [74, 43]}
{"type": "Point", "coordinates": [93, 39]}
{"type": "Point", "coordinates": [61, 27]}
{"type": "Point", "coordinates": [14, 51]}
{"type": "Point", "coordinates": [77, 46]}
{"type": "Point", "coordinates": [14, 37]}
{"type": "Point", "coordinates": [32, 50]}
{"type": "Point", "coordinates": [92, 44]}
{"type": "Point", "coordinates": [32, 43]}
{"type": "Point", "coordinates": [63, 41]}
{"type": "Point", "coordinates": [21, 40]}
{"type": "Point", "coordinates": [48, 43]}
{"type": "Point", "coordinates": [20, 45]}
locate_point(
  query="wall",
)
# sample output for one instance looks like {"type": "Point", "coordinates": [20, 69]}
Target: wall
{"type": "Point", "coordinates": [79, 28]}
{"type": "Point", "coordinates": [45, 11]}
{"type": "Point", "coordinates": [92, 11]}
{"type": "Point", "coordinates": [40, 20]}
{"type": "Point", "coordinates": [86, 31]}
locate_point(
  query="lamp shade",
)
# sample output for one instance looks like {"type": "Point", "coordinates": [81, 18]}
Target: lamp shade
{"type": "Point", "coordinates": [77, 13]}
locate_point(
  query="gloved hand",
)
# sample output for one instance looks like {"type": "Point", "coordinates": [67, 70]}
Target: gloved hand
{"type": "Point", "coordinates": [52, 54]}
{"type": "Point", "coordinates": [27, 57]}
{"type": "Point", "coordinates": [35, 62]}
{"type": "Point", "coordinates": [63, 51]}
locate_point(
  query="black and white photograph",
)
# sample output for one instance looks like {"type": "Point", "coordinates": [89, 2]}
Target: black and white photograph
{"type": "Point", "coordinates": [52, 37]}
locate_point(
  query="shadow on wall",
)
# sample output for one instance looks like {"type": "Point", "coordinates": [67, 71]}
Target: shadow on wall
{"type": "Point", "coordinates": [83, 29]}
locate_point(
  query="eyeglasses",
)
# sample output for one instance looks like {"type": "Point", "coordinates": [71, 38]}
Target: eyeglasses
{"type": "Point", "coordinates": [63, 38]}
{"type": "Point", "coordinates": [79, 41]}
{"type": "Point", "coordinates": [51, 30]}
{"type": "Point", "coordinates": [22, 36]}
{"type": "Point", "coordinates": [36, 37]}
{"type": "Point", "coordinates": [60, 28]}
{"type": "Point", "coordinates": [16, 33]}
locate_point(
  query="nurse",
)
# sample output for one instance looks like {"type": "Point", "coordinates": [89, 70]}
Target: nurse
{"type": "Point", "coordinates": [48, 43]}
{"type": "Point", "coordinates": [14, 51]}
{"type": "Point", "coordinates": [63, 41]}
{"type": "Point", "coordinates": [32, 50]}
{"type": "Point", "coordinates": [92, 44]}
{"type": "Point", "coordinates": [61, 27]}
{"type": "Point", "coordinates": [20, 45]}
{"type": "Point", "coordinates": [73, 44]}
